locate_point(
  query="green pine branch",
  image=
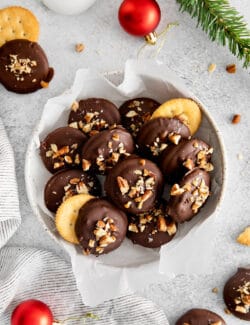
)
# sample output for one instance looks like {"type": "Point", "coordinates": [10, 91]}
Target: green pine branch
{"type": "Point", "coordinates": [222, 23]}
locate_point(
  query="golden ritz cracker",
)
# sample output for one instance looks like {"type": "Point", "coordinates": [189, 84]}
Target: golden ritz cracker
{"type": "Point", "coordinates": [18, 23]}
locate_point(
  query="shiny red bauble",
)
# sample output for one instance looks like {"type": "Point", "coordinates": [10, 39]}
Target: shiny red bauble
{"type": "Point", "coordinates": [139, 17]}
{"type": "Point", "coordinates": [32, 312]}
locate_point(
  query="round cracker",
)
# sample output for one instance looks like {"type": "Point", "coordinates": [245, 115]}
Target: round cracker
{"type": "Point", "coordinates": [67, 214]}
{"type": "Point", "coordinates": [18, 23]}
{"type": "Point", "coordinates": [183, 108]}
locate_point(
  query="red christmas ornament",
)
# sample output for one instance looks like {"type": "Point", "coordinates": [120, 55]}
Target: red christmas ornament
{"type": "Point", "coordinates": [32, 312]}
{"type": "Point", "coordinates": [140, 17]}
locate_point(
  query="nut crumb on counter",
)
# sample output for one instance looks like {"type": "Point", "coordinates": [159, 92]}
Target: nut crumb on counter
{"type": "Point", "coordinates": [215, 290]}
{"type": "Point", "coordinates": [236, 119]}
{"type": "Point", "coordinates": [231, 68]}
{"type": "Point", "coordinates": [79, 47]}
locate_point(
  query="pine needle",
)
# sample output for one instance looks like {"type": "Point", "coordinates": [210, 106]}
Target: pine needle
{"type": "Point", "coordinates": [222, 23]}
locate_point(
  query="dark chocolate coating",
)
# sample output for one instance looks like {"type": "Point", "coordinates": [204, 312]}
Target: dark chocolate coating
{"type": "Point", "coordinates": [100, 210]}
{"type": "Point", "coordinates": [94, 115]}
{"type": "Point", "coordinates": [67, 183]}
{"type": "Point", "coordinates": [106, 148]}
{"type": "Point", "coordinates": [23, 76]}
{"type": "Point", "coordinates": [66, 138]}
{"type": "Point", "coordinates": [173, 158]}
{"type": "Point", "coordinates": [135, 112]}
{"type": "Point", "coordinates": [134, 185]}
{"type": "Point", "coordinates": [237, 293]}
{"type": "Point", "coordinates": [155, 135]}
{"type": "Point", "coordinates": [200, 317]}
{"type": "Point", "coordinates": [151, 229]}
{"type": "Point", "coordinates": [184, 206]}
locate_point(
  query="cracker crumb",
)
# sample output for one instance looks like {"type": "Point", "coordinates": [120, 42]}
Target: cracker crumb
{"type": "Point", "coordinates": [236, 119]}
{"type": "Point", "coordinates": [211, 67]}
{"type": "Point", "coordinates": [244, 237]}
{"type": "Point", "coordinates": [79, 47]}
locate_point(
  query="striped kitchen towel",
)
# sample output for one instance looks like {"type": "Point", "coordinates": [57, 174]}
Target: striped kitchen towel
{"type": "Point", "coordinates": [28, 273]}
{"type": "Point", "coordinates": [10, 218]}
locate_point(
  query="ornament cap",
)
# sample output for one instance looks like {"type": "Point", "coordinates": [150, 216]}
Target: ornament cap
{"type": "Point", "coordinates": [151, 38]}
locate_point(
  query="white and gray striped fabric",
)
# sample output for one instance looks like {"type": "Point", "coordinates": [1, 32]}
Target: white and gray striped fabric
{"type": "Point", "coordinates": [28, 273]}
{"type": "Point", "coordinates": [10, 218]}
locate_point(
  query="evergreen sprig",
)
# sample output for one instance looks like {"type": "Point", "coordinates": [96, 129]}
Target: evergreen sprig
{"type": "Point", "coordinates": [222, 23]}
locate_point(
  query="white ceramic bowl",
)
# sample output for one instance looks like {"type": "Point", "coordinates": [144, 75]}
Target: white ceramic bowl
{"type": "Point", "coordinates": [69, 7]}
{"type": "Point", "coordinates": [130, 266]}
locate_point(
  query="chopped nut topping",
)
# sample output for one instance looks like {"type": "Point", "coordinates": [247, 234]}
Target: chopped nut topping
{"type": "Point", "coordinates": [68, 159]}
{"type": "Point", "coordinates": [91, 243]}
{"type": "Point", "coordinates": [128, 205]}
{"type": "Point", "coordinates": [81, 188]}
{"type": "Point", "coordinates": [62, 151]}
{"type": "Point", "coordinates": [241, 309]}
{"type": "Point", "coordinates": [132, 227]}
{"type": "Point", "coordinates": [99, 250]}
{"type": "Point", "coordinates": [200, 194]}
{"type": "Point", "coordinates": [44, 84]}
{"type": "Point", "coordinates": [74, 125]}
{"type": "Point", "coordinates": [143, 198]}
{"type": "Point", "coordinates": [176, 190]}
{"type": "Point", "coordinates": [99, 232]}
{"type": "Point", "coordinates": [161, 224]}
{"type": "Point", "coordinates": [86, 164]}
{"type": "Point", "coordinates": [74, 107]}
{"type": "Point", "coordinates": [131, 114]}
{"type": "Point", "coordinates": [20, 66]}
{"type": "Point", "coordinates": [106, 240]}
{"type": "Point", "coordinates": [175, 138]}
{"type": "Point", "coordinates": [104, 235]}
{"type": "Point", "coordinates": [100, 224]}
{"type": "Point", "coordinates": [58, 165]}
{"type": "Point", "coordinates": [196, 144]}
{"type": "Point", "coordinates": [171, 228]}
{"type": "Point", "coordinates": [157, 147]}
{"type": "Point", "coordinates": [79, 47]}
{"type": "Point", "coordinates": [243, 300]}
{"type": "Point", "coordinates": [189, 164]}
{"type": "Point", "coordinates": [115, 137]}
{"type": "Point", "coordinates": [54, 147]}
{"type": "Point", "coordinates": [77, 159]}
{"type": "Point", "coordinates": [236, 119]}
{"type": "Point", "coordinates": [123, 185]}
{"type": "Point", "coordinates": [74, 181]}
{"type": "Point", "coordinates": [142, 162]}
{"type": "Point", "coordinates": [49, 153]}
{"type": "Point", "coordinates": [231, 68]}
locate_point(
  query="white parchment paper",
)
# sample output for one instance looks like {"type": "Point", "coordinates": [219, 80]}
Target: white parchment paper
{"type": "Point", "coordinates": [130, 267]}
